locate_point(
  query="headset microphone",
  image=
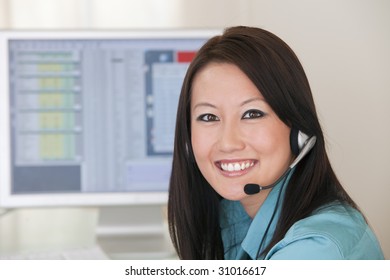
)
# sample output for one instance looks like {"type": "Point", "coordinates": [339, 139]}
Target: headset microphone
{"type": "Point", "coordinates": [308, 144]}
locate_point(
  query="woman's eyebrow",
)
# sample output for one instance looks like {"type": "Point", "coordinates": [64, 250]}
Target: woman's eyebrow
{"type": "Point", "coordinates": [207, 104]}
{"type": "Point", "coordinates": [252, 100]}
{"type": "Point", "coordinates": [204, 104]}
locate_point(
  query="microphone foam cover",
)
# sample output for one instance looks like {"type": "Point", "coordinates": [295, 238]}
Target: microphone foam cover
{"type": "Point", "coordinates": [251, 189]}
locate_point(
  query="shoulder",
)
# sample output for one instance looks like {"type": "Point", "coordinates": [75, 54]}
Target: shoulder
{"type": "Point", "coordinates": [335, 231]}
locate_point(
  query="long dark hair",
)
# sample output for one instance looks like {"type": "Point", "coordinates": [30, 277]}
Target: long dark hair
{"type": "Point", "coordinates": [193, 205]}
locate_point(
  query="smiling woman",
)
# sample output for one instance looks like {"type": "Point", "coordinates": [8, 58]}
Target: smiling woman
{"type": "Point", "coordinates": [246, 141]}
{"type": "Point", "coordinates": [246, 116]}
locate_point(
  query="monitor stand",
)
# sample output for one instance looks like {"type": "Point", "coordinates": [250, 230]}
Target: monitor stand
{"type": "Point", "coordinates": [131, 232]}
{"type": "Point", "coordinates": [134, 232]}
{"type": "Point", "coordinates": [31, 230]}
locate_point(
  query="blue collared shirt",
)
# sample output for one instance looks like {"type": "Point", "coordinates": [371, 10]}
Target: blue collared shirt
{"type": "Point", "coordinates": [333, 232]}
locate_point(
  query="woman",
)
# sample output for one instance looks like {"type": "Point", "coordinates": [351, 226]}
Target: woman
{"type": "Point", "coordinates": [244, 96]}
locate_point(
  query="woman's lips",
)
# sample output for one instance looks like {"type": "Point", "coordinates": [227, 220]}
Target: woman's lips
{"type": "Point", "coordinates": [235, 167]}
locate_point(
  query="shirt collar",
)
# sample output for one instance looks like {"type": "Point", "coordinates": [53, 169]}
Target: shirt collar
{"type": "Point", "coordinates": [266, 217]}
{"type": "Point", "coordinates": [234, 223]}
{"type": "Point", "coordinates": [237, 227]}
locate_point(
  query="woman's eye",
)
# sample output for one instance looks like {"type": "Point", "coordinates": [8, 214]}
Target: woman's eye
{"type": "Point", "coordinates": [253, 114]}
{"type": "Point", "coordinates": [208, 118]}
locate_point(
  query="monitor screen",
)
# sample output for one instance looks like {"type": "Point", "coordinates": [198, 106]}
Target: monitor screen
{"type": "Point", "coordinates": [88, 118]}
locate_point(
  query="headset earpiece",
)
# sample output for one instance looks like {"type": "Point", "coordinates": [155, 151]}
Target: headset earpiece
{"type": "Point", "coordinates": [298, 140]}
{"type": "Point", "coordinates": [301, 144]}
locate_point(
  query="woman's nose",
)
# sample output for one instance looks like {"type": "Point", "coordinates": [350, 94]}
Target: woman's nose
{"type": "Point", "coordinates": [230, 139]}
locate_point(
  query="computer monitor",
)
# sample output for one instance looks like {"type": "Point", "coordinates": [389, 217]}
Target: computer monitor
{"type": "Point", "coordinates": [88, 118]}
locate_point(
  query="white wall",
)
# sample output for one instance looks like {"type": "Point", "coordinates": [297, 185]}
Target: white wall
{"type": "Point", "coordinates": [344, 46]}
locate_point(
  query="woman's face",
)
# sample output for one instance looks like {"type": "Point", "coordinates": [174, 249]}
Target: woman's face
{"type": "Point", "coordinates": [236, 137]}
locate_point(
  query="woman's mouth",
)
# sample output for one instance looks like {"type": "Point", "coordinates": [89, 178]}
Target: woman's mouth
{"type": "Point", "coordinates": [235, 166]}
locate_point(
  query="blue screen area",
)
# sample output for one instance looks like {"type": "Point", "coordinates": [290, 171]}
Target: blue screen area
{"type": "Point", "coordinates": [91, 115]}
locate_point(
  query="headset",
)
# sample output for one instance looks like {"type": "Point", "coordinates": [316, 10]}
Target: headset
{"type": "Point", "coordinates": [301, 144]}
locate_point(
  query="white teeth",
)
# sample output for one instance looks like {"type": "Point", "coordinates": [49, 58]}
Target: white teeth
{"type": "Point", "coordinates": [236, 166]}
